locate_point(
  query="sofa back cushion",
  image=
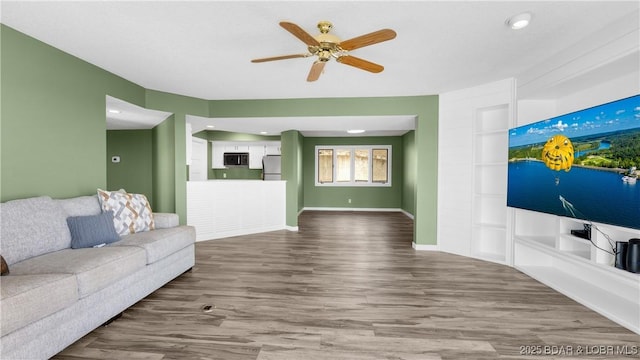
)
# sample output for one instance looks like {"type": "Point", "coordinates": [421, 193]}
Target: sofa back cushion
{"type": "Point", "coordinates": [81, 205]}
{"type": "Point", "coordinates": [31, 227]}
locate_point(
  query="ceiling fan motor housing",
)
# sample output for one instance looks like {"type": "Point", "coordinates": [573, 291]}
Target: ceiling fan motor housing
{"type": "Point", "coordinates": [329, 43]}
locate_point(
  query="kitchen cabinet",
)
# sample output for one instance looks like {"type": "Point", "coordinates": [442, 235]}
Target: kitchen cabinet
{"type": "Point", "coordinates": [256, 153]}
{"type": "Point", "coordinates": [217, 155]}
{"type": "Point", "coordinates": [256, 149]}
{"type": "Point", "coordinates": [243, 148]}
{"type": "Point", "coordinates": [272, 149]}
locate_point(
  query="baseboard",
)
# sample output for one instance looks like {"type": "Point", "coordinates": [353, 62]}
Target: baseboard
{"type": "Point", "coordinates": [291, 228]}
{"type": "Point", "coordinates": [357, 209]}
{"type": "Point", "coordinates": [421, 247]}
{"type": "Point", "coordinates": [408, 214]}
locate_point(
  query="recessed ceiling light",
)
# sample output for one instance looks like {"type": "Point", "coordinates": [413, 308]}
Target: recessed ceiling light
{"type": "Point", "coordinates": [519, 21]}
{"type": "Point", "coordinates": [114, 111]}
{"type": "Point", "coordinates": [263, 132]}
{"type": "Point", "coordinates": [355, 131]}
{"type": "Point", "coordinates": [210, 126]}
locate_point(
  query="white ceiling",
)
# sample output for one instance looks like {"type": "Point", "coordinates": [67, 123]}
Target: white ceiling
{"type": "Point", "coordinates": [122, 115]}
{"type": "Point", "coordinates": [203, 48]}
{"type": "Point", "coordinates": [309, 126]}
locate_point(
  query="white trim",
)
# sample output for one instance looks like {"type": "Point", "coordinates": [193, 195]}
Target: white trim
{"type": "Point", "coordinates": [237, 232]}
{"type": "Point", "coordinates": [352, 149]}
{"type": "Point", "coordinates": [356, 209]}
{"type": "Point", "coordinates": [291, 228]}
{"type": "Point", "coordinates": [421, 247]}
{"type": "Point", "coordinates": [408, 214]}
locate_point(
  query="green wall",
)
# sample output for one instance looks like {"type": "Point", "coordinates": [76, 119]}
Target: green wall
{"type": "Point", "coordinates": [291, 145]}
{"type": "Point", "coordinates": [361, 196]}
{"type": "Point", "coordinates": [134, 172]}
{"type": "Point", "coordinates": [53, 139]}
{"type": "Point", "coordinates": [425, 108]}
{"type": "Point", "coordinates": [170, 147]}
{"type": "Point", "coordinates": [409, 172]}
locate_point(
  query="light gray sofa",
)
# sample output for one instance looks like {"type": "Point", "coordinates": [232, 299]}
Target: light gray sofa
{"type": "Point", "coordinates": [54, 294]}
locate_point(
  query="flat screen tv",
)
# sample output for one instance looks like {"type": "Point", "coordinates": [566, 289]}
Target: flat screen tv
{"type": "Point", "coordinates": [584, 164]}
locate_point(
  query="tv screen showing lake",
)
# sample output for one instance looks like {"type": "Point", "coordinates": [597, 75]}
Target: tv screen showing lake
{"type": "Point", "coordinates": [583, 164]}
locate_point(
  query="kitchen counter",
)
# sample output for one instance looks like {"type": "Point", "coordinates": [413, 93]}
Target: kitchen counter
{"type": "Point", "coordinates": [225, 207]}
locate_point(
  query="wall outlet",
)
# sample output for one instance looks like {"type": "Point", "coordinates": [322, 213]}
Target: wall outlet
{"type": "Point", "coordinates": [349, 201]}
{"type": "Point", "coordinates": [224, 175]}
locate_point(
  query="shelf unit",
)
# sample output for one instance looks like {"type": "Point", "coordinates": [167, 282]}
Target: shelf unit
{"type": "Point", "coordinates": [489, 240]}
{"type": "Point", "coordinates": [545, 250]}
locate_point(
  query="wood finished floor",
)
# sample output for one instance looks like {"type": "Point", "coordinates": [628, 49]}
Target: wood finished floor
{"type": "Point", "coordinates": [347, 286]}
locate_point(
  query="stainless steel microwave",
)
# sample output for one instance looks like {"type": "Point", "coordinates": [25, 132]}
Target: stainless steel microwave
{"type": "Point", "coordinates": [236, 159]}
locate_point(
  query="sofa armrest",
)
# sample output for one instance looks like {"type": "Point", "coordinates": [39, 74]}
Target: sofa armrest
{"type": "Point", "coordinates": [165, 220]}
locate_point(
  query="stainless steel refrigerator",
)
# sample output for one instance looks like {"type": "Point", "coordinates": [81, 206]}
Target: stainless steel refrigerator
{"type": "Point", "coordinates": [271, 166]}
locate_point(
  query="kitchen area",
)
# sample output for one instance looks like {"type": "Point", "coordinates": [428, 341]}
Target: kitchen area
{"type": "Point", "coordinates": [235, 188]}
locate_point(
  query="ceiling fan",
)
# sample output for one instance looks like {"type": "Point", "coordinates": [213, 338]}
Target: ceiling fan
{"type": "Point", "coordinates": [326, 46]}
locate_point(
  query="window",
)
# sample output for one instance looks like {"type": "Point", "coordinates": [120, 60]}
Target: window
{"type": "Point", "coordinates": [324, 167]}
{"type": "Point", "coordinates": [353, 165]}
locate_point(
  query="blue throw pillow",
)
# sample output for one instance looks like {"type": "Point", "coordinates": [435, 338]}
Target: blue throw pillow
{"type": "Point", "coordinates": [92, 231]}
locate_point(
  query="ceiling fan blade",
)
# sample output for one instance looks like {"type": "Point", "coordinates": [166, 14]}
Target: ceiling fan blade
{"type": "Point", "coordinates": [298, 32]}
{"type": "Point", "coordinates": [283, 57]}
{"type": "Point", "coordinates": [368, 39]}
{"type": "Point", "coordinates": [360, 63]}
{"type": "Point", "coordinates": [316, 70]}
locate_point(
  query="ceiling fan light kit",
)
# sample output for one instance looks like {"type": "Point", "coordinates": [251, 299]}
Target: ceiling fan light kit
{"type": "Point", "coordinates": [519, 21]}
{"type": "Point", "coordinates": [326, 46]}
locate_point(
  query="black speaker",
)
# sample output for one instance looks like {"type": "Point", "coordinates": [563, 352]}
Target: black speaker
{"type": "Point", "coordinates": [621, 254]}
{"type": "Point", "coordinates": [633, 256]}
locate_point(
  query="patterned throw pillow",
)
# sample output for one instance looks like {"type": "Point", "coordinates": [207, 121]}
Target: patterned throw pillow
{"type": "Point", "coordinates": [131, 212]}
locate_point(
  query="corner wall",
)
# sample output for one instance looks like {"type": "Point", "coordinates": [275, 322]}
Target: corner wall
{"type": "Point", "coordinates": [53, 139]}
{"type": "Point", "coordinates": [134, 172]}
{"type": "Point", "coordinates": [170, 163]}
{"type": "Point", "coordinates": [409, 172]}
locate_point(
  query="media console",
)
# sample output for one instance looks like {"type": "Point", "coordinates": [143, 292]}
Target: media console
{"type": "Point", "coordinates": [545, 249]}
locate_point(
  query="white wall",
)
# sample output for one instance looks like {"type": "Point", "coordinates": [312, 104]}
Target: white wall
{"type": "Point", "coordinates": [532, 110]}
{"type": "Point", "coordinates": [455, 159]}
{"type": "Point", "coordinates": [614, 89]}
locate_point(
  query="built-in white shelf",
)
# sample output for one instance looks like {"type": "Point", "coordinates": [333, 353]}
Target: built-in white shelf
{"type": "Point", "coordinates": [490, 240]}
{"type": "Point", "coordinates": [545, 249]}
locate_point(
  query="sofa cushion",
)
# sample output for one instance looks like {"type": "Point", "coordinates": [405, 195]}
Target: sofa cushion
{"type": "Point", "coordinates": [160, 243]}
{"type": "Point", "coordinates": [31, 227]}
{"type": "Point", "coordinates": [95, 268]}
{"type": "Point", "coordinates": [131, 212]}
{"type": "Point", "coordinates": [165, 220]}
{"type": "Point", "coordinates": [27, 298]}
{"type": "Point", "coordinates": [81, 205]}
{"type": "Point", "coordinates": [92, 230]}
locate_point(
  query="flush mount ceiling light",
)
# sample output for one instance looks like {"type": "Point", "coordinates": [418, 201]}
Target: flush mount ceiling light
{"type": "Point", "coordinates": [519, 21]}
{"type": "Point", "coordinates": [355, 131]}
